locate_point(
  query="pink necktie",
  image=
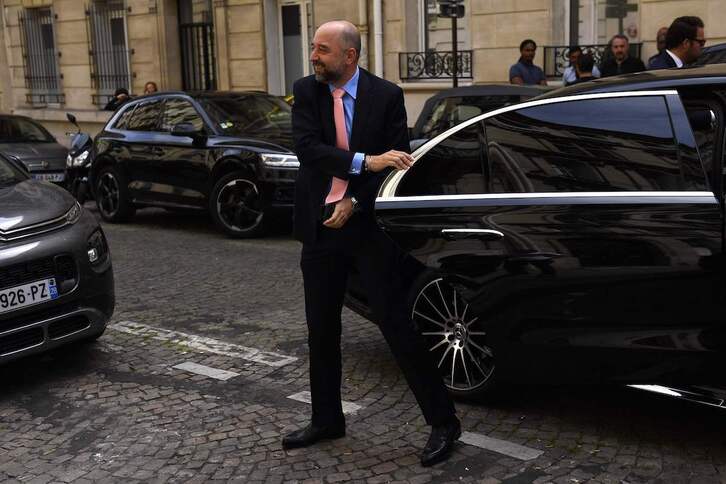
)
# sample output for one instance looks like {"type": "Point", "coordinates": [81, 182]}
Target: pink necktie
{"type": "Point", "coordinates": [338, 187]}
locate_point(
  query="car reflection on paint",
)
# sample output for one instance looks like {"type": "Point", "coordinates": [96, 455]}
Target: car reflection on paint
{"type": "Point", "coordinates": [577, 237]}
{"type": "Point", "coordinates": [56, 280]}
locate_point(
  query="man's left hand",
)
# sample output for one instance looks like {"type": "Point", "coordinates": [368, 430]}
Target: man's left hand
{"type": "Point", "coordinates": [341, 214]}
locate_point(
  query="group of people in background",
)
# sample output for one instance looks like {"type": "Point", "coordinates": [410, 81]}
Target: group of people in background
{"type": "Point", "coordinates": [121, 96]}
{"type": "Point", "coordinates": [678, 45]}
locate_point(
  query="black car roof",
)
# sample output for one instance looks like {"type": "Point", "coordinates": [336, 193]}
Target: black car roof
{"type": "Point", "coordinates": [200, 94]}
{"type": "Point", "coordinates": [491, 90]}
{"type": "Point", "coordinates": [648, 80]}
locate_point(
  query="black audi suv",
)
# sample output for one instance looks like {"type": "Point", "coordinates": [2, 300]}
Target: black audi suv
{"type": "Point", "coordinates": [575, 237]}
{"type": "Point", "coordinates": [225, 152]}
{"type": "Point", "coordinates": [56, 280]}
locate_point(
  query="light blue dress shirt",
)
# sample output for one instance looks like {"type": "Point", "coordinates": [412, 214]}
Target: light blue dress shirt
{"type": "Point", "coordinates": [351, 91]}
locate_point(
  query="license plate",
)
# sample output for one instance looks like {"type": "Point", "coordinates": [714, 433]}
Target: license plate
{"type": "Point", "coordinates": [51, 177]}
{"type": "Point", "coordinates": [27, 295]}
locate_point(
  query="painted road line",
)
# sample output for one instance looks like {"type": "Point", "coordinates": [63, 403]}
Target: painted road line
{"type": "Point", "coordinates": [215, 373]}
{"type": "Point", "coordinates": [348, 407]}
{"type": "Point", "coordinates": [501, 446]}
{"type": "Point", "coordinates": [203, 344]}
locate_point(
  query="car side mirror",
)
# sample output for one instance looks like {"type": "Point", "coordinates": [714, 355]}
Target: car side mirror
{"type": "Point", "coordinates": [186, 129]}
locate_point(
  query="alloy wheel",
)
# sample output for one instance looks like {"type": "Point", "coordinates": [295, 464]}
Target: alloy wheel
{"type": "Point", "coordinates": [453, 336]}
{"type": "Point", "coordinates": [239, 205]}
{"type": "Point", "coordinates": [108, 194]}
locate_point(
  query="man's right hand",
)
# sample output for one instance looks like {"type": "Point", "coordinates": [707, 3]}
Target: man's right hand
{"type": "Point", "coordinates": [398, 160]}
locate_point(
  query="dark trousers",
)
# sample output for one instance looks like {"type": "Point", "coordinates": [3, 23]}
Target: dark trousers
{"type": "Point", "coordinates": [325, 266]}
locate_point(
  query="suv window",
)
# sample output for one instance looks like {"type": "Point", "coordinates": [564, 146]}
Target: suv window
{"type": "Point", "coordinates": [452, 167]}
{"type": "Point", "coordinates": [146, 116]}
{"type": "Point", "coordinates": [608, 144]}
{"type": "Point", "coordinates": [178, 111]}
{"type": "Point", "coordinates": [123, 120]}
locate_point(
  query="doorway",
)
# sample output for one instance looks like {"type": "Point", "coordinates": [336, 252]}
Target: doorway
{"type": "Point", "coordinates": [296, 22]}
{"type": "Point", "coordinates": [196, 35]}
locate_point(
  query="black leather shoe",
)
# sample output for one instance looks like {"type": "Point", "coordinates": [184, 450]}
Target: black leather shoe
{"type": "Point", "coordinates": [440, 443]}
{"type": "Point", "coordinates": [310, 435]}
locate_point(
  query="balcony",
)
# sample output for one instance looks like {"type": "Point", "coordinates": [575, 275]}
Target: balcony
{"type": "Point", "coordinates": [424, 66]}
{"type": "Point", "coordinates": [557, 57]}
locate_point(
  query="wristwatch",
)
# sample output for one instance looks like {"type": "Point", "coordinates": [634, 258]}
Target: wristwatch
{"type": "Point", "coordinates": [356, 204]}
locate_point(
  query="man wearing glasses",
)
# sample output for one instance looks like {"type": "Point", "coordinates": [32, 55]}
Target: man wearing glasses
{"type": "Point", "coordinates": [684, 41]}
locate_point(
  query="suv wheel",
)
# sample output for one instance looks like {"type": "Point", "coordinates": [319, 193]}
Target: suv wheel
{"type": "Point", "coordinates": [236, 206]}
{"type": "Point", "coordinates": [112, 195]}
{"type": "Point", "coordinates": [454, 337]}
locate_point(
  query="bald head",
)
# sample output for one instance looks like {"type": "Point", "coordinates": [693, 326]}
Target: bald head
{"type": "Point", "coordinates": [346, 33]}
{"type": "Point", "coordinates": [335, 52]}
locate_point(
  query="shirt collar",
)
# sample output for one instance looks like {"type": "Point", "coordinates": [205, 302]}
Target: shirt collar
{"type": "Point", "coordinates": [350, 87]}
{"type": "Point", "coordinates": [676, 59]}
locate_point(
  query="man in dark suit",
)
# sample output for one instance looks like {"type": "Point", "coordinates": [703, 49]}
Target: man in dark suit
{"type": "Point", "coordinates": [684, 41]}
{"type": "Point", "coordinates": [350, 130]}
{"type": "Point", "coordinates": [620, 61]}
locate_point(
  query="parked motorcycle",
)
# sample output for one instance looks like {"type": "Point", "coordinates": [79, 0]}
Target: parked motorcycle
{"type": "Point", "coordinates": [78, 163]}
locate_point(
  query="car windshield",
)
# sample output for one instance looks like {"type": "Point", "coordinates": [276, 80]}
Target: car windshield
{"type": "Point", "coordinates": [19, 130]}
{"type": "Point", "coordinates": [248, 114]}
{"type": "Point", "coordinates": [10, 174]}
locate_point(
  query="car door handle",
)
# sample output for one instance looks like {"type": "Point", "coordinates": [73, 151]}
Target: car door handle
{"type": "Point", "coordinates": [157, 150]}
{"type": "Point", "coordinates": [481, 234]}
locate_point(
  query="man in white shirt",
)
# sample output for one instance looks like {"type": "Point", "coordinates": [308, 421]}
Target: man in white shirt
{"type": "Point", "coordinates": [684, 41]}
{"type": "Point", "coordinates": [570, 74]}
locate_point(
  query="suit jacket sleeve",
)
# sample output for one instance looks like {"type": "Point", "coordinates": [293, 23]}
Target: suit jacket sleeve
{"type": "Point", "coordinates": [396, 129]}
{"type": "Point", "coordinates": [307, 132]}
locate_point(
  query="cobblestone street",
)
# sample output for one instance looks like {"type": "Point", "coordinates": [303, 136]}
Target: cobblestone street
{"type": "Point", "coordinates": [192, 383]}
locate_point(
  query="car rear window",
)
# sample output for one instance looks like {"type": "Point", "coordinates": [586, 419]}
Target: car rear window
{"type": "Point", "coordinates": [611, 144]}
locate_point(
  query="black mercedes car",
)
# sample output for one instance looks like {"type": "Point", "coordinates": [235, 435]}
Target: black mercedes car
{"type": "Point", "coordinates": [56, 280]}
{"type": "Point", "coordinates": [575, 237]}
{"type": "Point", "coordinates": [225, 152]}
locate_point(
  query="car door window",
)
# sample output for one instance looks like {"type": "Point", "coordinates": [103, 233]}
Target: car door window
{"type": "Point", "coordinates": [451, 111]}
{"type": "Point", "coordinates": [179, 111]}
{"type": "Point", "coordinates": [453, 166]}
{"type": "Point", "coordinates": [611, 144]}
{"type": "Point", "coordinates": [123, 120]}
{"type": "Point", "coordinates": [145, 116]}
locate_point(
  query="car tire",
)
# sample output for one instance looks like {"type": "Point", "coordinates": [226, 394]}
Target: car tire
{"type": "Point", "coordinates": [236, 206]}
{"type": "Point", "coordinates": [453, 336]}
{"type": "Point", "coordinates": [112, 195]}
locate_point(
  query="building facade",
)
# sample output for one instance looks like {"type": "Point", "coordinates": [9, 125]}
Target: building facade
{"type": "Point", "coordinates": [71, 55]}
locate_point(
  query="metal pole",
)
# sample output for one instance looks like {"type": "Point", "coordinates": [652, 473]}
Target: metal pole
{"type": "Point", "coordinates": [454, 42]}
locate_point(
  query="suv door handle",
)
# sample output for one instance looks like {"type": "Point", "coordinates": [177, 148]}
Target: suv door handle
{"type": "Point", "coordinates": [481, 234]}
{"type": "Point", "coordinates": [157, 150]}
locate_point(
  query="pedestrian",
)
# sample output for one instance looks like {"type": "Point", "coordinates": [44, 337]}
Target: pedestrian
{"type": "Point", "coordinates": [684, 41]}
{"type": "Point", "coordinates": [570, 74]}
{"type": "Point", "coordinates": [150, 87]}
{"type": "Point", "coordinates": [585, 66]}
{"type": "Point", "coordinates": [524, 71]}
{"type": "Point", "coordinates": [119, 99]}
{"type": "Point", "coordinates": [349, 130]}
{"type": "Point", "coordinates": [660, 43]}
{"type": "Point", "coordinates": [620, 61]}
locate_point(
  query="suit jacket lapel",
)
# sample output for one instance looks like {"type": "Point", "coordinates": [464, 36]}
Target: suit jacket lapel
{"type": "Point", "coordinates": [363, 101]}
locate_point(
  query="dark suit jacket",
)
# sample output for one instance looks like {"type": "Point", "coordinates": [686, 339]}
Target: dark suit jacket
{"type": "Point", "coordinates": [379, 125]}
{"type": "Point", "coordinates": [611, 68]}
{"type": "Point", "coordinates": [661, 61]}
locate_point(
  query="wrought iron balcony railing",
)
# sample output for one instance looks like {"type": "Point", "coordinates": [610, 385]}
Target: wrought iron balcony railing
{"type": "Point", "coordinates": [557, 57]}
{"type": "Point", "coordinates": [416, 66]}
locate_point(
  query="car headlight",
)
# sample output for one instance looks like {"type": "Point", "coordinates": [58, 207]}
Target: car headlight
{"type": "Point", "coordinates": [97, 247]}
{"type": "Point", "coordinates": [76, 161]}
{"type": "Point", "coordinates": [280, 161]}
{"type": "Point", "coordinates": [74, 213]}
